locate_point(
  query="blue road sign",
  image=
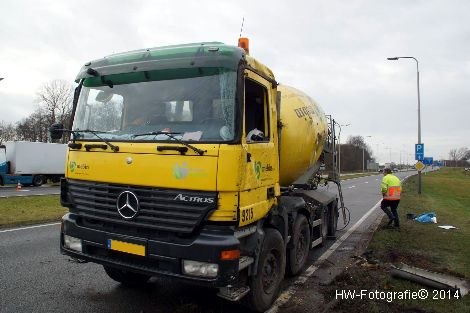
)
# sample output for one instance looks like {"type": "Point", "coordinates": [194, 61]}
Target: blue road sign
{"type": "Point", "coordinates": [419, 151]}
{"type": "Point", "coordinates": [427, 160]}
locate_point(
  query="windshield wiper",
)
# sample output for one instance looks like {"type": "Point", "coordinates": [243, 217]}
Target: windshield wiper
{"type": "Point", "coordinates": [170, 135]}
{"type": "Point", "coordinates": [96, 132]}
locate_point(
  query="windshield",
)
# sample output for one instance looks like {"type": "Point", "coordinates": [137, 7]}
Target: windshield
{"type": "Point", "coordinates": [195, 105]}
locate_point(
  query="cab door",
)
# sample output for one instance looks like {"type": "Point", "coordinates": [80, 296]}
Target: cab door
{"type": "Point", "coordinates": [260, 177]}
{"type": "Point", "coordinates": [3, 160]}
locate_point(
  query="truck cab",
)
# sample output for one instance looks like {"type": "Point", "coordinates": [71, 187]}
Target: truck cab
{"type": "Point", "coordinates": [3, 162]}
{"type": "Point", "coordinates": [173, 169]}
{"type": "Point", "coordinates": [5, 173]}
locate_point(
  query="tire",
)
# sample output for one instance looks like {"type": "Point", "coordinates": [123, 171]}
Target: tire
{"type": "Point", "coordinates": [264, 286]}
{"type": "Point", "coordinates": [55, 179]}
{"type": "Point", "coordinates": [38, 180]}
{"type": "Point", "coordinates": [126, 278]}
{"type": "Point", "coordinates": [297, 256]}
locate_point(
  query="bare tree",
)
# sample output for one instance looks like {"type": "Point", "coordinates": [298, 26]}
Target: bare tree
{"type": "Point", "coordinates": [453, 154]}
{"type": "Point", "coordinates": [7, 131]}
{"type": "Point", "coordinates": [357, 141]}
{"type": "Point", "coordinates": [467, 156]}
{"type": "Point", "coordinates": [457, 155]}
{"type": "Point", "coordinates": [351, 154]}
{"type": "Point", "coordinates": [55, 99]}
{"type": "Point", "coordinates": [35, 127]}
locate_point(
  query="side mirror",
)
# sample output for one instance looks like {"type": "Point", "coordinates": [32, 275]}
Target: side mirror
{"type": "Point", "coordinates": [56, 131]}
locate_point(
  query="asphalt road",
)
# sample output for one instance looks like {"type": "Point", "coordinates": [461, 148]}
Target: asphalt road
{"type": "Point", "coordinates": [35, 277]}
{"type": "Point", "coordinates": [10, 191]}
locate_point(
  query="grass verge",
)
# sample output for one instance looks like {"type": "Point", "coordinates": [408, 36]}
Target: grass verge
{"type": "Point", "coordinates": [445, 192]}
{"type": "Point", "coordinates": [16, 211]}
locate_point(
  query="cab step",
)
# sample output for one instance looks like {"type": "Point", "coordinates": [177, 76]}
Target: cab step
{"type": "Point", "coordinates": [232, 293]}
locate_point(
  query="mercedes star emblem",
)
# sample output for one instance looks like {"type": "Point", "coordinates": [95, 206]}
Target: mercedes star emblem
{"type": "Point", "coordinates": [127, 205]}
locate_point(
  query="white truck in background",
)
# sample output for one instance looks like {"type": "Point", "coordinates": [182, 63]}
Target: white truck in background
{"type": "Point", "coordinates": [31, 163]}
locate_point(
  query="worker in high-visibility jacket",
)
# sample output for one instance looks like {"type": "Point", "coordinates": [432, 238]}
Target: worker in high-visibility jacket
{"type": "Point", "coordinates": [391, 190]}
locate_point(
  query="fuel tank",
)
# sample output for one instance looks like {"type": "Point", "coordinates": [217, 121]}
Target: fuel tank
{"type": "Point", "coordinates": [303, 134]}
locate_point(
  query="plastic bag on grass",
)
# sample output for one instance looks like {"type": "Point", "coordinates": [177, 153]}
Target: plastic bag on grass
{"type": "Point", "coordinates": [427, 218]}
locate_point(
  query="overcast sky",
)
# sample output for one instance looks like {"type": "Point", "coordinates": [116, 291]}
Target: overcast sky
{"type": "Point", "coordinates": [333, 50]}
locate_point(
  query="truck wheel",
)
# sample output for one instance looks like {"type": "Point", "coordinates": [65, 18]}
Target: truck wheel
{"type": "Point", "coordinates": [264, 286]}
{"type": "Point", "coordinates": [298, 254]}
{"type": "Point", "coordinates": [130, 279]}
{"type": "Point", "coordinates": [38, 180]}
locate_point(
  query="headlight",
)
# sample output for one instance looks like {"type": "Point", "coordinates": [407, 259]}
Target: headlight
{"type": "Point", "coordinates": [200, 269]}
{"type": "Point", "coordinates": [72, 243]}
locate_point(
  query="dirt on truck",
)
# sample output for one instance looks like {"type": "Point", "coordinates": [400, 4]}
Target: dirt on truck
{"type": "Point", "coordinates": [192, 162]}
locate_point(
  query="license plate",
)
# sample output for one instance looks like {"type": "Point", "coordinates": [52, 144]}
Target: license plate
{"type": "Point", "coordinates": [126, 247]}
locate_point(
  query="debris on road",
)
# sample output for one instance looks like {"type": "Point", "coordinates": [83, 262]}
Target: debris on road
{"type": "Point", "coordinates": [427, 218]}
{"type": "Point", "coordinates": [367, 263]}
{"type": "Point", "coordinates": [447, 227]}
{"type": "Point", "coordinates": [431, 279]}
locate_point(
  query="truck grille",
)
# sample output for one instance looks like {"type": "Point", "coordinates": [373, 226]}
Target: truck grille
{"type": "Point", "coordinates": [161, 210]}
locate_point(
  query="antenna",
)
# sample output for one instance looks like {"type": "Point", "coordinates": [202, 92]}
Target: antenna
{"type": "Point", "coordinates": [241, 29]}
{"type": "Point", "coordinates": [243, 42]}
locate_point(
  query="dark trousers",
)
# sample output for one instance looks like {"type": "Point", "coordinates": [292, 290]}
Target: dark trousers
{"type": "Point", "coordinates": [392, 213]}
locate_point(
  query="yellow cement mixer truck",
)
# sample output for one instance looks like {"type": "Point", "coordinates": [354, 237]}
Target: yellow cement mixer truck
{"type": "Point", "coordinates": [192, 162]}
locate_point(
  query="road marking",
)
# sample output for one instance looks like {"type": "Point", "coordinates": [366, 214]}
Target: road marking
{"type": "Point", "coordinates": [29, 227]}
{"type": "Point", "coordinates": [286, 295]}
{"type": "Point", "coordinates": [376, 179]}
{"type": "Point", "coordinates": [351, 187]}
{"type": "Point", "coordinates": [366, 182]}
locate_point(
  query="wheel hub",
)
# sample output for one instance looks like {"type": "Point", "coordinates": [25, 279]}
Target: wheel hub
{"type": "Point", "coordinates": [270, 269]}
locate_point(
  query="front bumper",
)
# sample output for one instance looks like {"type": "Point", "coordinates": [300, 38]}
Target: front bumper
{"type": "Point", "coordinates": [162, 257]}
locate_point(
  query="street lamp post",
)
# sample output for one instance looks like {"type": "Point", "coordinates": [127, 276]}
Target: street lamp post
{"type": "Point", "coordinates": [339, 147]}
{"type": "Point", "coordinates": [363, 148]}
{"type": "Point", "coordinates": [419, 109]}
{"type": "Point", "coordinates": [390, 153]}
{"type": "Point", "coordinates": [378, 152]}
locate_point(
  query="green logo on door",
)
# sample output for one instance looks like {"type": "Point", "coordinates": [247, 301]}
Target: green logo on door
{"type": "Point", "coordinates": [258, 169]}
{"type": "Point", "coordinates": [72, 166]}
{"type": "Point", "coordinates": [180, 171]}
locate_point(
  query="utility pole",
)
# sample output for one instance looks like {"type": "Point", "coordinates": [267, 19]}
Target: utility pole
{"type": "Point", "coordinates": [339, 148]}
{"type": "Point", "coordinates": [363, 148]}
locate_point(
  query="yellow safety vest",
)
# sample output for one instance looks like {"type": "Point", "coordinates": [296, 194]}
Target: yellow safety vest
{"type": "Point", "coordinates": [391, 187]}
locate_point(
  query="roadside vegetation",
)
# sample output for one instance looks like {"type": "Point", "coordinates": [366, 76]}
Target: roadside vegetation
{"type": "Point", "coordinates": [445, 192]}
{"type": "Point", "coordinates": [16, 211]}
